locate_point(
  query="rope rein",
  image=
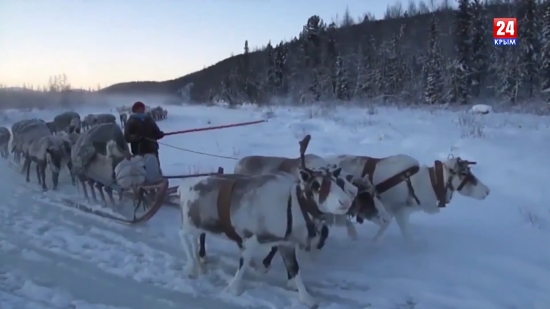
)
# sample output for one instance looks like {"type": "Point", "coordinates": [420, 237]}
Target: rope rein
{"type": "Point", "coordinates": [198, 152]}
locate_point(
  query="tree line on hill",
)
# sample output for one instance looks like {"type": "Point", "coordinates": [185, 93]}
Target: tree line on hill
{"type": "Point", "coordinates": [417, 55]}
{"type": "Point", "coordinates": [442, 57]}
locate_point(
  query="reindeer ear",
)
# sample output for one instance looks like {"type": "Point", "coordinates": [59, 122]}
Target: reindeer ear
{"type": "Point", "coordinates": [337, 172]}
{"type": "Point", "coordinates": [305, 176]}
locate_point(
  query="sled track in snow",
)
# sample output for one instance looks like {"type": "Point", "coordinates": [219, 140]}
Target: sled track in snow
{"type": "Point", "coordinates": [100, 257]}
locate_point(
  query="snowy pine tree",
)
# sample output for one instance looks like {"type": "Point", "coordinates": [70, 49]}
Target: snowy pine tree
{"type": "Point", "coordinates": [342, 85]}
{"type": "Point", "coordinates": [545, 51]}
{"type": "Point", "coordinates": [480, 47]}
{"type": "Point", "coordinates": [270, 78]}
{"type": "Point", "coordinates": [280, 66]}
{"type": "Point", "coordinates": [331, 58]}
{"type": "Point", "coordinates": [463, 48]}
{"type": "Point", "coordinates": [529, 44]}
{"type": "Point", "coordinates": [433, 86]}
{"type": "Point", "coordinates": [245, 73]}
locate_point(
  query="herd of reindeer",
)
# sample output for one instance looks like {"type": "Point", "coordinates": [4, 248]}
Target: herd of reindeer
{"type": "Point", "coordinates": [269, 204]}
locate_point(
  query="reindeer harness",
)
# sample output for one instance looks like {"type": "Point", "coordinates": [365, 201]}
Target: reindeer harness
{"type": "Point", "coordinates": [444, 189]}
{"type": "Point", "coordinates": [224, 211]}
{"type": "Point", "coordinates": [370, 166]}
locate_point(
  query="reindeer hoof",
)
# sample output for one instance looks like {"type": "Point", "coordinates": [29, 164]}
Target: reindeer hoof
{"type": "Point", "coordinates": [191, 271]}
{"type": "Point", "coordinates": [235, 288]}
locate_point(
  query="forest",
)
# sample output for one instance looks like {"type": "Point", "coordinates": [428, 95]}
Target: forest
{"type": "Point", "coordinates": [420, 54]}
{"type": "Point", "coordinates": [413, 55]}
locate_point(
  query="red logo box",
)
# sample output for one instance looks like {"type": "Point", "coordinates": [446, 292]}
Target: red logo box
{"type": "Point", "coordinates": [505, 28]}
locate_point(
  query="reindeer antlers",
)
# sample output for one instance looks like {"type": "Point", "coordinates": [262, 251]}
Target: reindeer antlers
{"type": "Point", "coordinates": [303, 146]}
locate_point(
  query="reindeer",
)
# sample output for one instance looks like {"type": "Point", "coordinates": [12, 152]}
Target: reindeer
{"type": "Point", "coordinates": [5, 137]}
{"type": "Point", "coordinates": [257, 212]}
{"type": "Point", "coordinates": [258, 165]}
{"type": "Point", "coordinates": [50, 151]}
{"type": "Point", "coordinates": [164, 114]}
{"type": "Point", "coordinates": [17, 129]}
{"type": "Point", "coordinates": [104, 118]}
{"type": "Point", "coordinates": [24, 134]}
{"type": "Point", "coordinates": [64, 120]}
{"type": "Point", "coordinates": [75, 126]}
{"type": "Point", "coordinates": [123, 118]}
{"type": "Point", "coordinates": [404, 186]}
{"type": "Point", "coordinates": [88, 121]}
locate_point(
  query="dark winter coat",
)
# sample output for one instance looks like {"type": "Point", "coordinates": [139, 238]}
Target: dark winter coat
{"type": "Point", "coordinates": [142, 135]}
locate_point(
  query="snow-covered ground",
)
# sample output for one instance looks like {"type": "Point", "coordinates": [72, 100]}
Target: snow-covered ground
{"type": "Point", "coordinates": [473, 255]}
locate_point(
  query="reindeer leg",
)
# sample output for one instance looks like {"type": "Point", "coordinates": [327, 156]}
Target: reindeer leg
{"type": "Point", "coordinates": [249, 247]}
{"type": "Point", "coordinates": [99, 187]}
{"type": "Point", "coordinates": [293, 269]}
{"type": "Point", "coordinates": [266, 262]}
{"type": "Point", "coordinates": [109, 192]}
{"type": "Point", "coordinates": [402, 219]}
{"type": "Point", "coordinates": [43, 175]}
{"type": "Point", "coordinates": [84, 189]}
{"type": "Point", "coordinates": [91, 184]}
{"type": "Point", "coordinates": [70, 168]}
{"type": "Point", "coordinates": [202, 248]}
{"type": "Point", "coordinates": [38, 174]}
{"type": "Point", "coordinates": [55, 179]}
{"type": "Point", "coordinates": [191, 265]}
{"type": "Point", "coordinates": [27, 166]}
{"type": "Point", "coordinates": [350, 228]}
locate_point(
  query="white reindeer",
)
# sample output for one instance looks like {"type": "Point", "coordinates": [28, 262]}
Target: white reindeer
{"type": "Point", "coordinates": [259, 212]}
{"type": "Point", "coordinates": [259, 165]}
{"type": "Point", "coordinates": [428, 188]}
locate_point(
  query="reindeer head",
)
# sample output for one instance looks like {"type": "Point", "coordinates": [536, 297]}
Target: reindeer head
{"type": "Point", "coordinates": [462, 179]}
{"type": "Point", "coordinates": [321, 186]}
{"type": "Point", "coordinates": [54, 157]}
{"type": "Point", "coordinates": [367, 204]}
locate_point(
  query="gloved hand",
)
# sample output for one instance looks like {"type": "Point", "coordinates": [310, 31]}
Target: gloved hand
{"type": "Point", "coordinates": [161, 135]}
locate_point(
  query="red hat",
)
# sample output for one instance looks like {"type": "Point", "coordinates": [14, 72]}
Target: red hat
{"type": "Point", "coordinates": [137, 105]}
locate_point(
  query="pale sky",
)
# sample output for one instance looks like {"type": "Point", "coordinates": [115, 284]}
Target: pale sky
{"type": "Point", "coordinates": [109, 41]}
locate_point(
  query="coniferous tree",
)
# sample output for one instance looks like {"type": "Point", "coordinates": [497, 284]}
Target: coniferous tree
{"type": "Point", "coordinates": [342, 90]}
{"type": "Point", "coordinates": [433, 87]}
{"type": "Point", "coordinates": [461, 69]}
{"type": "Point", "coordinates": [545, 51]}
{"type": "Point", "coordinates": [280, 67]}
{"type": "Point", "coordinates": [529, 45]}
{"type": "Point", "coordinates": [331, 55]}
{"type": "Point", "coordinates": [480, 46]}
{"type": "Point", "coordinates": [271, 69]}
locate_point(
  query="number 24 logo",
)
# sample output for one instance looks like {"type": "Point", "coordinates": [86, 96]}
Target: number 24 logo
{"type": "Point", "coordinates": [505, 27]}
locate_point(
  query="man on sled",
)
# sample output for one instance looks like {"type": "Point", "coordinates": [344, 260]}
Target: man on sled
{"type": "Point", "coordinates": [142, 133]}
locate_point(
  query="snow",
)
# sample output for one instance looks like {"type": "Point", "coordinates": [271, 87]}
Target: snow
{"type": "Point", "coordinates": [481, 109]}
{"type": "Point", "coordinates": [473, 255]}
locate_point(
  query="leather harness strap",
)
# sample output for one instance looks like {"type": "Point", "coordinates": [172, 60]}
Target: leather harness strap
{"type": "Point", "coordinates": [224, 210]}
{"type": "Point", "coordinates": [369, 167]}
{"type": "Point", "coordinates": [383, 186]}
{"type": "Point", "coordinates": [438, 183]}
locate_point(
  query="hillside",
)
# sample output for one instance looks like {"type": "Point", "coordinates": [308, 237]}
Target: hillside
{"type": "Point", "coordinates": [451, 50]}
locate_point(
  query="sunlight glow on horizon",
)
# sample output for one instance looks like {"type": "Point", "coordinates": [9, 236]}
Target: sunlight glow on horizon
{"type": "Point", "coordinates": [104, 42]}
